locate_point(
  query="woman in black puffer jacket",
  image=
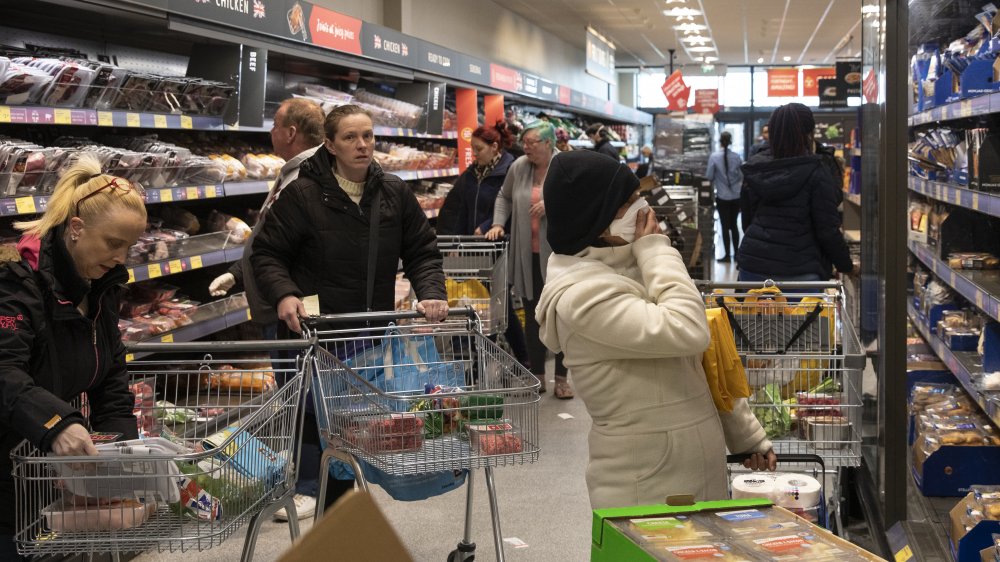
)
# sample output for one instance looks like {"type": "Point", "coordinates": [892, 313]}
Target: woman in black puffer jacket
{"type": "Point", "coordinates": [789, 203]}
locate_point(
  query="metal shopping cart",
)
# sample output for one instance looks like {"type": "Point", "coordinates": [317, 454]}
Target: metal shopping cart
{"type": "Point", "coordinates": [804, 363]}
{"type": "Point", "coordinates": [367, 414]}
{"type": "Point", "coordinates": [475, 272]}
{"type": "Point", "coordinates": [219, 452]}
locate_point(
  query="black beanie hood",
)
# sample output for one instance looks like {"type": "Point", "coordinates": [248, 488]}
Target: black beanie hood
{"type": "Point", "coordinates": [583, 191]}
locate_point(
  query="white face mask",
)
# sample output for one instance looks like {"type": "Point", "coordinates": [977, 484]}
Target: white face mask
{"type": "Point", "coordinates": [624, 227]}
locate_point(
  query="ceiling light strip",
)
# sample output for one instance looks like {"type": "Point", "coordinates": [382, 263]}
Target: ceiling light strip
{"type": "Point", "coordinates": [746, 36]}
{"type": "Point", "coordinates": [840, 47]}
{"type": "Point", "coordinates": [781, 27]}
{"type": "Point", "coordinates": [822, 18]}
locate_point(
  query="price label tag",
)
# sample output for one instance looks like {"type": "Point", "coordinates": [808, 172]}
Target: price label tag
{"type": "Point", "coordinates": [129, 357]}
{"type": "Point", "coordinates": [160, 121]}
{"type": "Point", "coordinates": [975, 201]}
{"type": "Point", "coordinates": [196, 262]}
{"type": "Point", "coordinates": [210, 192]}
{"type": "Point", "coordinates": [167, 338]}
{"type": "Point", "coordinates": [154, 270]}
{"type": "Point", "coordinates": [132, 120]}
{"type": "Point", "coordinates": [186, 122]}
{"type": "Point", "coordinates": [951, 278]}
{"type": "Point", "coordinates": [270, 185]}
{"type": "Point", "coordinates": [248, 315]}
{"type": "Point", "coordinates": [63, 117]}
{"type": "Point", "coordinates": [965, 110]}
{"type": "Point", "coordinates": [105, 119]}
{"type": "Point", "coordinates": [166, 195]}
{"type": "Point", "coordinates": [4, 114]}
{"type": "Point", "coordinates": [979, 299]}
{"type": "Point", "coordinates": [25, 205]}
{"type": "Point", "coordinates": [191, 192]}
{"type": "Point", "coordinates": [131, 275]}
{"type": "Point", "coordinates": [904, 554]}
{"type": "Point", "coordinates": [958, 196]}
{"type": "Point", "coordinates": [176, 266]}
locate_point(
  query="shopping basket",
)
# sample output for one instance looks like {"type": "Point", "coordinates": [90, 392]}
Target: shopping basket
{"type": "Point", "coordinates": [489, 417]}
{"type": "Point", "coordinates": [803, 362]}
{"type": "Point", "coordinates": [218, 452]}
{"type": "Point", "coordinates": [475, 272]}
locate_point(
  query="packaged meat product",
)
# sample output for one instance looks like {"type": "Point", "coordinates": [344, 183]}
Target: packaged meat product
{"type": "Point", "coordinates": [200, 170]}
{"type": "Point", "coordinates": [64, 516]}
{"type": "Point", "coordinates": [22, 85]}
{"type": "Point", "coordinates": [177, 308]}
{"type": "Point", "coordinates": [145, 398]}
{"type": "Point", "coordinates": [239, 231]}
{"type": "Point", "coordinates": [228, 378]}
{"type": "Point", "coordinates": [235, 171]}
{"type": "Point", "coordinates": [136, 92]}
{"type": "Point", "coordinates": [70, 85]}
{"type": "Point", "coordinates": [495, 439]}
{"type": "Point", "coordinates": [104, 87]}
{"type": "Point", "coordinates": [203, 97]}
{"type": "Point", "coordinates": [180, 219]}
{"type": "Point", "coordinates": [168, 95]}
{"type": "Point", "coordinates": [394, 433]}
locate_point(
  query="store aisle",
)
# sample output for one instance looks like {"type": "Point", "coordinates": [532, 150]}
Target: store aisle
{"type": "Point", "coordinates": [544, 504]}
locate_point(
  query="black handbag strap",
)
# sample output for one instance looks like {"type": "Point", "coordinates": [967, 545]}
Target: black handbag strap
{"type": "Point", "coordinates": [373, 223]}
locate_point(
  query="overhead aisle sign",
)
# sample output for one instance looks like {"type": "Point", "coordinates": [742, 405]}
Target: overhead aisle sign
{"type": "Point", "coordinates": [782, 82]}
{"type": "Point", "coordinates": [600, 57]}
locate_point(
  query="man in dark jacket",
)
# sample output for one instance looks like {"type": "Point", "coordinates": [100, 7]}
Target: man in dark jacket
{"type": "Point", "coordinates": [790, 220]}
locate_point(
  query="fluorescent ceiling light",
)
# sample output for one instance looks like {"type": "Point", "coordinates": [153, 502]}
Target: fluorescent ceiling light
{"type": "Point", "coordinates": [760, 60]}
{"type": "Point", "coordinates": [685, 18]}
{"type": "Point", "coordinates": [681, 12]}
{"type": "Point", "coordinates": [786, 58]}
{"type": "Point", "coordinates": [676, 1]}
{"type": "Point", "coordinates": [869, 9]}
{"type": "Point", "coordinates": [695, 39]}
{"type": "Point", "coordinates": [710, 59]}
{"type": "Point", "coordinates": [690, 27]}
{"type": "Point", "coordinates": [702, 49]}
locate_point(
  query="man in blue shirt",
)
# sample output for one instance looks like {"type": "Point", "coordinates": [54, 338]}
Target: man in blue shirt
{"type": "Point", "coordinates": [727, 180]}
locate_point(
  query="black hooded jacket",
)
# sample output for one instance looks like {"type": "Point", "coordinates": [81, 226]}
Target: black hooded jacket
{"type": "Point", "coordinates": [790, 219]}
{"type": "Point", "coordinates": [315, 242]}
{"type": "Point", "coordinates": [50, 353]}
{"type": "Point", "coordinates": [605, 147]}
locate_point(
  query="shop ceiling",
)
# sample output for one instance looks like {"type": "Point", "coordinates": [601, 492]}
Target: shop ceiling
{"type": "Point", "coordinates": [736, 32]}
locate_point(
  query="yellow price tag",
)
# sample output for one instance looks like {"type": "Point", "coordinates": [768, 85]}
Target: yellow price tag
{"type": "Point", "coordinates": [196, 262]}
{"type": "Point", "coordinates": [186, 122]}
{"type": "Point", "coordinates": [129, 357]}
{"type": "Point", "coordinates": [270, 185]}
{"type": "Point", "coordinates": [105, 119]}
{"type": "Point", "coordinates": [979, 299]}
{"type": "Point", "coordinates": [175, 266]}
{"type": "Point", "coordinates": [166, 195]}
{"type": "Point", "coordinates": [160, 121]}
{"type": "Point", "coordinates": [25, 205]}
{"type": "Point", "coordinates": [248, 315]}
{"type": "Point", "coordinates": [975, 201]}
{"type": "Point", "coordinates": [966, 108]}
{"type": "Point", "coordinates": [951, 278]}
{"type": "Point", "coordinates": [210, 192]}
{"type": "Point", "coordinates": [904, 554]}
{"type": "Point", "coordinates": [132, 120]}
{"type": "Point", "coordinates": [154, 270]}
{"type": "Point", "coordinates": [4, 114]}
{"type": "Point", "coordinates": [958, 197]}
{"type": "Point", "coordinates": [191, 192]}
{"type": "Point", "coordinates": [63, 117]}
{"type": "Point", "coordinates": [167, 338]}
{"type": "Point", "coordinates": [131, 275]}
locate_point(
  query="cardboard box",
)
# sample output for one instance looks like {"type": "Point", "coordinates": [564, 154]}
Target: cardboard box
{"type": "Point", "coordinates": [968, 546]}
{"type": "Point", "coordinates": [352, 529]}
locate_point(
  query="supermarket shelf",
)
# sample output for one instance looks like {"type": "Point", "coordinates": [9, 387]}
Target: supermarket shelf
{"type": "Point", "coordinates": [854, 198]}
{"type": "Point", "coordinates": [980, 287]}
{"type": "Point", "coordinates": [988, 203]}
{"type": "Point", "coordinates": [381, 131]}
{"type": "Point", "coordinates": [982, 105]}
{"type": "Point", "coordinates": [162, 268]}
{"type": "Point", "coordinates": [247, 187]}
{"type": "Point", "coordinates": [965, 365]}
{"type": "Point", "coordinates": [192, 193]}
{"type": "Point", "coordinates": [425, 174]}
{"type": "Point", "coordinates": [209, 320]}
{"type": "Point", "coordinates": [37, 115]}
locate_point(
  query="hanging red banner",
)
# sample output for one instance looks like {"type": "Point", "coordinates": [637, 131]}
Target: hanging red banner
{"type": "Point", "coordinates": [870, 86]}
{"type": "Point", "coordinates": [782, 82]}
{"type": "Point", "coordinates": [492, 109]}
{"type": "Point", "coordinates": [811, 78]}
{"type": "Point", "coordinates": [676, 92]}
{"type": "Point", "coordinates": [706, 101]}
{"type": "Point", "coordinates": [468, 120]}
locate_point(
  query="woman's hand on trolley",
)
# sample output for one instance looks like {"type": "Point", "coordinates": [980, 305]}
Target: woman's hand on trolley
{"type": "Point", "coordinates": [495, 233]}
{"type": "Point", "coordinates": [290, 309]}
{"type": "Point", "coordinates": [74, 441]}
{"type": "Point", "coordinates": [762, 461]}
{"type": "Point", "coordinates": [433, 310]}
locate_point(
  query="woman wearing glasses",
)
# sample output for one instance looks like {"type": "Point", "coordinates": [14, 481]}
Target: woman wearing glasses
{"type": "Point", "coordinates": [59, 324]}
{"type": "Point", "coordinates": [520, 200]}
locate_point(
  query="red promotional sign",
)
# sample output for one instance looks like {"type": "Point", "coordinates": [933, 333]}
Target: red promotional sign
{"type": "Point", "coordinates": [504, 78]}
{"type": "Point", "coordinates": [468, 120]}
{"type": "Point", "coordinates": [706, 101]}
{"type": "Point", "coordinates": [676, 91]}
{"type": "Point", "coordinates": [811, 78]}
{"type": "Point", "coordinates": [493, 109]}
{"type": "Point", "coordinates": [335, 31]}
{"type": "Point", "coordinates": [782, 82]}
{"type": "Point", "coordinates": [870, 86]}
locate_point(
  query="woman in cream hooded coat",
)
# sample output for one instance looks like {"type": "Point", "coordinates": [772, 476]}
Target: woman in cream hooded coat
{"type": "Point", "coordinates": [632, 326]}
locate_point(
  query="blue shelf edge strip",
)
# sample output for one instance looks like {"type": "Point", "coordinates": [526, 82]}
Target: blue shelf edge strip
{"type": "Point", "coordinates": [980, 105]}
{"type": "Point", "coordinates": [988, 203]}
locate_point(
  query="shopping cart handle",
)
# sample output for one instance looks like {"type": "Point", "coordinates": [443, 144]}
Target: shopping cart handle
{"type": "Point", "coordinates": [462, 238]}
{"type": "Point", "coordinates": [219, 346]}
{"type": "Point", "coordinates": [377, 317]}
{"type": "Point", "coordinates": [782, 458]}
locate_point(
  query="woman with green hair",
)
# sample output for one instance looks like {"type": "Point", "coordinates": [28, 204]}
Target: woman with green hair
{"type": "Point", "coordinates": [520, 201]}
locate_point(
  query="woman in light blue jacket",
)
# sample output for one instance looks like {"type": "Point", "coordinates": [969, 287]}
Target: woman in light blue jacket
{"type": "Point", "coordinates": [727, 179]}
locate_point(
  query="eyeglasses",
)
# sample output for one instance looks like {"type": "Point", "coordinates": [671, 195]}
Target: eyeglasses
{"type": "Point", "coordinates": [118, 184]}
{"type": "Point", "coordinates": [528, 143]}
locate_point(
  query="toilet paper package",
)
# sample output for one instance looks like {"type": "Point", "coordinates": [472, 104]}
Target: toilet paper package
{"type": "Point", "coordinates": [753, 485]}
{"type": "Point", "coordinates": [789, 490]}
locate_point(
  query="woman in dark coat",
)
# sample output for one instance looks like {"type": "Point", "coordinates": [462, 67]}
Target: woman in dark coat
{"type": "Point", "coordinates": [789, 203]}
{"type": "Point", "coordinates": [601, 138]}
{"type": "Point", "coordinates": [59, 324]}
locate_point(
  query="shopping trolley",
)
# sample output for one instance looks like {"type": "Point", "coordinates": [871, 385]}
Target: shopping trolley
{"type": "Point", "coordinates": [218, 452]}
{"type": "Point", "coordinates": [804, 364]}
{"type": "Point", "coordinates": [475, 272]}
{"type": "Point", "coordinates": [488, 419]}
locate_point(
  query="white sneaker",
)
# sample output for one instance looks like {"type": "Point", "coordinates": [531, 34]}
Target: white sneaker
{"type": "Point", "coordinates": [305, 507]}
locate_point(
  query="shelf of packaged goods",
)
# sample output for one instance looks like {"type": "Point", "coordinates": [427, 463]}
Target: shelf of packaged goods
{"type": "Point", "coordinates": [981, 105]}
{"type": "Point", "coordinates": [191, 262]}
{"type": "Point", "coordinates": [380, 131]}
{"type": "Point", "coordinates": [31, 204]}
{"type": "Point", "coordinates": [36, 115]}
{"type": "Point", "coordinates": [209, 319]}
{"type": "Point", "coordinates": [854, 198]}
{"type": "Point", "coordinates": [425, 174]}
{"type": "Point", "coordinates": [965, 365]}
{"type": "Point", "coordinates": [584, 143]}
{"type": "Point", "coordinates": [988, 203]}
{"type": "Point", "coordinates": [979, 287]}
